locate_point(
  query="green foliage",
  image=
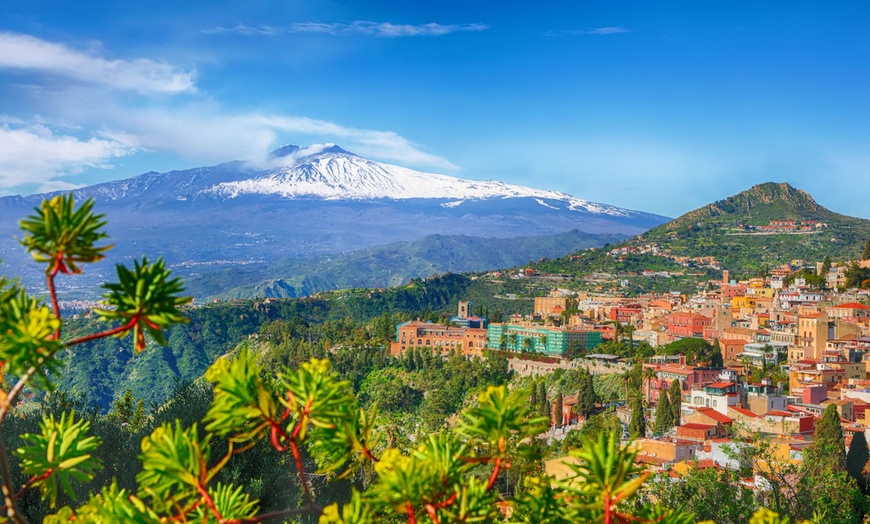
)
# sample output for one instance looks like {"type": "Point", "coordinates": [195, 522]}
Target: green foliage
{"type": "Point", "coordinates": [59, 454]}
{"type": "Point", "coordinates": [144, 299]}
{"type": "Point", "coordinates": [63, 236]}
{"type": "Point", "coordinates": [606, 423]}
{"type": "Point", "coordinates": [604, 483]}
{"type": "Point", "coordinates": [714, 494]}
{"type": "Point", "coordinates": [27, 335]}
{"type": "Point", "coordinates": [856, 459]}
{"type": "Point", "coordinates": [828, 448]}
{"type": "Point", "coordinates": [637, 424]}
{"type": "Point", "coordinates": [664, 415]}
{"type": "Point", "coordinates": [697, 350]}
{"type": "Point", "coordinates": [676, 400]}
{"type": "Point", "coordinates": [174, 465]}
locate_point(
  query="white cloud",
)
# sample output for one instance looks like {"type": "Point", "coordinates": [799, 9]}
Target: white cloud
{"type": "Point", "coordinates": [358, 27]}
{"type": "Point", "coordinates": [599, 31]}
{"type": "Point", "coordinates": [211, 136]}
{"type": "Point", "coordinates": [36, 155]}
{"type": "Point", "coordinates": [607, 31]}
{"type": "Point", "coordinates": [25, 52]}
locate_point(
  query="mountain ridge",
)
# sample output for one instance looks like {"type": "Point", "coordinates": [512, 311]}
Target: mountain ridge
{"type": "Point", "coordinates": [350, 203]}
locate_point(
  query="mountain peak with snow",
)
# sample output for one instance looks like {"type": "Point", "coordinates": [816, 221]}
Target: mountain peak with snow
{"type": "Point", "coordinates": [326, 171]}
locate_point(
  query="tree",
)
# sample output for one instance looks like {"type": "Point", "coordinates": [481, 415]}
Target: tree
{"type": "Point", "coordinates": [544, 408]}
{"type": "Point", "coordinates": [534, 401]}
{"type": "Point", "coordinates": [664, 415]}
{"type": "Point", "coordinates": [826, 267]}
{"type": "Point", "coordinates": [828, 449]}
{"type": "Point", "coordinates": [637, 424]}
{"type": "Point", "coordinates": [676, 394]}
{"type": "Point", "coordinates": [712, 494]}
{"type": "Point", "coordinates": [586, 396]}
{"type": "Point", "coordinates": [629, 330]}
{"type": "Point", "coordinates": [856, 460]}
{"type": "Point", "coordinates": [866, 255]}
{"type": "Point", "coordinates": [128, 412]}
{"type": "Point", "coordinates": [558, 411]}
{"type": "Point", "coordinates": [649, 374]}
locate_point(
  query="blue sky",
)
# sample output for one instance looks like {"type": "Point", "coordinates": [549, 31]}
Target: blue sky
{"type": "Point", "coordinates": [656, 106]}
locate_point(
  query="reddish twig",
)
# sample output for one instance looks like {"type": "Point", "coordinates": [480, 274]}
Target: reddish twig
{"type": "Point", "coordinates": [494, 475]}
{"type": "Point", "coordinates": [209, 501]}
{"type": "Point", "coordinates": [412, 519]}
{"type": "Point", "coordinates": [368, 453]}
{"type": "Point", "coordinates": [54, 303]}
{"type": "Point", "coordinates": [300, 470]}
{"type": "Point", "coordinates": [103, 334]}
{"type": "Point", "coordinates": [433, 513]}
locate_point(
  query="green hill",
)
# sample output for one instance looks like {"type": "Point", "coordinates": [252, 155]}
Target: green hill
{"type": "Point", "coordinates": [767, 225]}
{"type": "Point", "coordinates": [748, 233]}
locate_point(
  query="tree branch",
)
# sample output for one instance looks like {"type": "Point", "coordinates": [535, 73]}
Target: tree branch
{"type": "Point", "coordinates": [103, 334]}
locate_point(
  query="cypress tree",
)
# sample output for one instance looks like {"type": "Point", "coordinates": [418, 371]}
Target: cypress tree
{"type": "Point", "coordinates": [559, 407]}
{"type": "Point", "coordinates": [866, 255]}
{"type": "Point", "coordinates": [545, 407]}
{"type": "Point", "coordinates": [828, 449]}
{"type": "Point", "coordinates": [826, 267]}
{"type": "Point", "coordinates": [637, 425]}
{"type": "Point", "coordinates": [533, 398]}
{"type": "Point", "coordinates": [857, 458]}
{"type": "Point", "coordinates": [676, 394]}
{"type": "Point", "coordinates": [664, 415]}
{"type": "Point", "coordinates": [587, 401]}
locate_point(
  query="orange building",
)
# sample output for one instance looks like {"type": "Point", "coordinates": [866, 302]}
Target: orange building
{"type": "Point", "coordinates": [439, 338]}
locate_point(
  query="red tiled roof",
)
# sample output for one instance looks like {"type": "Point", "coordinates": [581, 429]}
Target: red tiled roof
{"type": "Point", "coordinates": [778, 413]}
{"type": "Point", "coordinates": [696, 425]}
{"type": "Point", "coordinates": [743, 411]}
{"type": "Point", "coordinates": [720, 385]}
{"type": "Point", "coordinates": [852, 305]}
{"type": "Point", "coordinates": [715, 415]}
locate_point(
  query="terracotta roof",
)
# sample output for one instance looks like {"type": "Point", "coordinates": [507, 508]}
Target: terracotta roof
{"type": "Point", "coordinates": [715, 415]}
{"type": "Point", "coordinates": [852, 305]}
{"type": "Point", "coordinates": [743, 411]}
{"type": "Point", "coordinates": [778, 413]}
{"type": "Point", "coordinates": [720, 385]}
{"type": "Point", "coordinates": [696, 425]}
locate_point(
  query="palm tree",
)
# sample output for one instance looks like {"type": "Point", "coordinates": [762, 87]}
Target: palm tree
{"type": "Point", "coordinates": [513, 341]}
{"type": "Point", "coordinates": [502, 341]}
{"type": "Point", "coordinates": [626, 379]}
{"type": "Point", "coordinates": [527, 344]}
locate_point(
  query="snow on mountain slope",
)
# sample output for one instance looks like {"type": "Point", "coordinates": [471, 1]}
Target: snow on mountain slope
{"type": "Point", "coordinates": [334, 174]}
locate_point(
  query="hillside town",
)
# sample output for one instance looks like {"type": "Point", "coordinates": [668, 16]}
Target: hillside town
{"type": "Point", "coordinates": [783, 352]}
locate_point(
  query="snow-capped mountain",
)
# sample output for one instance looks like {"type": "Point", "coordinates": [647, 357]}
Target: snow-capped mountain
{"type": "Point", "coordinates": [306, 202]}
{"type": "Point", "coordinates": [332, 173]}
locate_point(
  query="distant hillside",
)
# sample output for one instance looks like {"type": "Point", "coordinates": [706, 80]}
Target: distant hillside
{"type": "Point", "coordinates": [756, 206]}
{"type": "Point", "coordinates": [390, 265]}
{"type": "Point", "coordinates": [768, 224]}
{"type": "Point", "coordinates": [751, 232]}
